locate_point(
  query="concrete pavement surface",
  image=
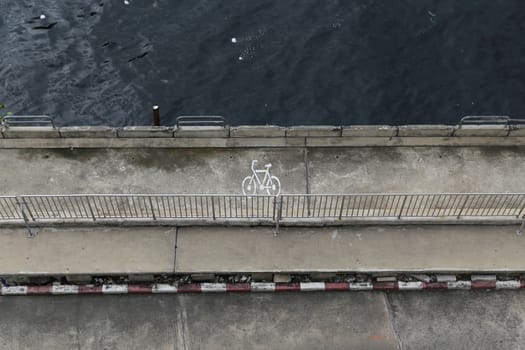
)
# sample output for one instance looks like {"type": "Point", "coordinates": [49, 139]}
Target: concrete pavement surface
{"type": "Point", "coordinates": [363, 320]}
{"type": "Point", "coordinates": [208, 171]}
{"type": "Point", "coordinates": [351, 248]}
{"type": "Point", "coordinates": [142, 250]}
{"type": "Point", "coordinates": [101, 250]}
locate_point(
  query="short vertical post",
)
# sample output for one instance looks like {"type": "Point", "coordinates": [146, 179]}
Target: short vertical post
{"type": "Point", "coordinates": [278, 213]}
{"type": "Point", "coordinates": [520, 230]}
{"type": "Point", "coordinates": [156, 115]}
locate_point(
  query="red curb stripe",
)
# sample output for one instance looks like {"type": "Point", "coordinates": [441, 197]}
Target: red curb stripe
{"type": "Point", "coordinates": [287, 287]}
{"type": "Point", "coordinates": [337, 286]}
{"type": "Point", "coordinates": [140, 289]}
{"type": "Point", "coordinates": [39, 290]}
{"type": "Point", "coordinates": [189, 288]}
{"type": "Point", "coordinates": [238, 287]}
{"type": "Point", "coordinates": [483, 285]}
{"type": "Point", "coordinates": [89, 289]}
{"type": "Point", "coordinates": [436, 285]}
{"type": "Point", "coordinates": [386, 286]}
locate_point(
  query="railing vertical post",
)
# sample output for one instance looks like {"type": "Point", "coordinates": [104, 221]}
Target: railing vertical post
{"type": "Point", "coordinates": [277, 214]}
{"type": "Point", "coordinates": [522, 210]}
{"type": "Point", "coordinates": [27, 208]}
{"type": "Point", "coordinates": [520, 230]}
{"type": "Point", "coordinates": [342, 206]}
{"type": "Point", "coordinates": [152, 209]}
{"type": "Point", "coordinates": [463, 206]}
{"type": "Point", "coordinates": [213, 206]}
{"type": "Point", "coordinates": [31, 232]}
{"type": "Point", "coordinates": [90, 209]}
{"type": "Point", "coordinates": [402, 207]}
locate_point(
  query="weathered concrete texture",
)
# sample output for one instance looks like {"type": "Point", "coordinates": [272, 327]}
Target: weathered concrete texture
{"type": "Point", "coordinates": [416, 169]}
{"type": "Point", "coordinates": [459, 320]}
{"type": "Point", "coordinates": [364, 320]}
{"type": "Point", "coordinates": [88, 131]}
{"type": "Point", "coordinates": [145, 131]}
{"type": "Point", "coordinates": [56, 171]}
{"type": "Point", "coordinates": [260, 321]}
{"type": "Point", "coordinates": [358, 249]}
{"type": "Point", "coordinates": [87, 251]}
{"type": "Point", "coordinates": [331, 170]}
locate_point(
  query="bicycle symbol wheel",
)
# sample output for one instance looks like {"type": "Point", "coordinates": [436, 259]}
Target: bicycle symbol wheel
{"type": "Point", "coordinates": [248, 186]}
{"type": "Point", "coordinates": [273, 186]}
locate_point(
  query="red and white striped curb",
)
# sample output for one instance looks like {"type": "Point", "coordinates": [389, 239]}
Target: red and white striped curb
{"type": "Point", "coordinates": [67, 289]}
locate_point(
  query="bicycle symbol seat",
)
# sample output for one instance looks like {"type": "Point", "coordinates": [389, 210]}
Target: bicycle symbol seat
{"type": "Point", "coordinates": [253, 182]}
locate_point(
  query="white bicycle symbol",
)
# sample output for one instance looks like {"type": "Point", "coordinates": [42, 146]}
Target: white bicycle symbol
{"type": "Point", "coordinates": [270, 183]}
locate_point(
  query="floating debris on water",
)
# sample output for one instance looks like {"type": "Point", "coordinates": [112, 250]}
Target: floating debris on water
{"type": "Point", "coordinates": [42, 16]}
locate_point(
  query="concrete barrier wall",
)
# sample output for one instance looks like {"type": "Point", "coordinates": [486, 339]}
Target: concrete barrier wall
{"type": "Point", "coordinates": [267, 131]}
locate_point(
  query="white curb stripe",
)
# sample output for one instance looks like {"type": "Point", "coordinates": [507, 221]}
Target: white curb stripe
{"type": "Point", "coordinates": [508, 284]}
{"type": "Point", "coordinates": [459, 285]}
{"type": "Point", "coordinates": [262, 287]}
{"type": "Point", "coordinates": [163, 288]}
{"type": "Point", "coordinates": [64, 289]}
{"type": "Point", "coordinates": [410, 285]}
{"type": "Point", "coordinates": [483, 277]}
{"type": "Point", "coordinates": [361, 286]}
{"type": "Point", "coordinates": [312, 286]}
{"type": "Point", "coordinates": [15, 290]}
{"type": "Point", "coordinates": [114, 288]}
{"type": "Point", "coordinates": [213, 287]}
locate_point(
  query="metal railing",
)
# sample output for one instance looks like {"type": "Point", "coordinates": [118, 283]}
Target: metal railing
{"type": "Point", "coordinates": [200, 121]}
{"type": "Point", "coordinates": [152, 207]}
{"type": "Point", "coordinates": [404, 205]}
{"type": "Point", "coordinates": [28, 121]}
{"type": "Point", "coordinates": [496, 119]}
{"type": "Point", "coordinates": [9, 209]}
{"type": "Point", "coordinates": [291, 206]}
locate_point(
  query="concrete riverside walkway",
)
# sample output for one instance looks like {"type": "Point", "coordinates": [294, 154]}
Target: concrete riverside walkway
{"type": "Point", "coordinates": [161, 250]}
{"type": "Point", "coordinates": [220, 170]}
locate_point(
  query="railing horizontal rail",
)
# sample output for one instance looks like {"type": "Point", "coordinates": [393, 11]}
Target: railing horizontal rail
{"type": "Point", "coordinates": [289, 206]}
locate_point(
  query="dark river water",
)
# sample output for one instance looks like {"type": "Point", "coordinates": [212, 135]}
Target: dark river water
{"type": "Point", "coordinates": [263, 61]}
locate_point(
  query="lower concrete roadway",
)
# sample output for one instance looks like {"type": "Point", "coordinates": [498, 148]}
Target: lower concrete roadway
{"type": "Point", "coordinates": [158, 250]}
{"type": "Point", "coordinates": [336, 320]}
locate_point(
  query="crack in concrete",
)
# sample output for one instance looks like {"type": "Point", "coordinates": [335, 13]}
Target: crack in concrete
{"type": "Point", "coordinates": [390, 315]}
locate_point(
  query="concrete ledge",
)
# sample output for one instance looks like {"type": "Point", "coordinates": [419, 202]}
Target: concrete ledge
{"type": "Point", "coordinates": [481, 130]}
{"type": "Point", "coordinates": [369, 131]}
{"type": "Point", "coordinates": [517, 130]}
{"type": "Point", "coordinates": [258, 131]}
{"type": "Point", "coordinates": [254, 142]}
{"type": "Point", "coordinates": [425, 130]}
{"type": "Point", "coordinates": [27, 132]}
{"type": "Point", "coordinates": [88, 131]}
{"type": "Point", "coordinates": [145, 131]}
{"type": "Point", "coordinates": [313, 131]}
{"type": "Point", "coordinates": [202, 131]}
